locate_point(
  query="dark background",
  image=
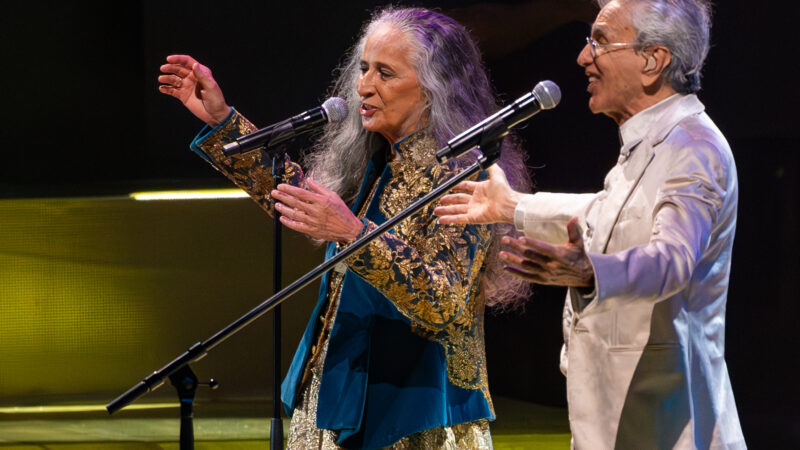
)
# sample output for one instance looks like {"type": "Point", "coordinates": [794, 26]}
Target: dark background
{"type": "Point", "coordinates": [81, 115]}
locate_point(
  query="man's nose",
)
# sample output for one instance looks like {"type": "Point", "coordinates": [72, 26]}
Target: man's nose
{"type": "Point", "coordinates": [585, 56]}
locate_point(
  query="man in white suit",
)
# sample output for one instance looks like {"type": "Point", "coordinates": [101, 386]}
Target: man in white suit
{"type": "Point", "coordinates": [647, 259]}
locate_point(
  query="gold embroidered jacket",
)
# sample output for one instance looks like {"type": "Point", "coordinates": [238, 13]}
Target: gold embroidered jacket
{"type": "Point", "coordinates": [406, 350]}
{"type": "Point", "coordinates": [431, 273]}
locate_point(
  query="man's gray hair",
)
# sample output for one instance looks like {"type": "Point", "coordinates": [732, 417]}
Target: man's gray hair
{"type": "Point", "coordinates": [683, 26]}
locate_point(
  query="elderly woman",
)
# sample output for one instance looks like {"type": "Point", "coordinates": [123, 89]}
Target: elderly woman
{"type": "Point", "coordinates": [393, 354]}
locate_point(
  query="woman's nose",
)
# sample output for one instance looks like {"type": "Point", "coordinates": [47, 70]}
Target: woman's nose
{"type": "Point", "coordinates": [365, 83]}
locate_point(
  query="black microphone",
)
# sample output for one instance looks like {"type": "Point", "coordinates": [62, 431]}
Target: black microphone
{"type": "Point", "coordinates": [333, 110]}
{"type": "Point", "coordinates": [545, 95]}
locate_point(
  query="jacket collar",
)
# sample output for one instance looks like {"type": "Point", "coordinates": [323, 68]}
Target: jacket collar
{"type": "Point", "coordinates": [655, 122]}
{"type": "Point", "coordinates": [416, 147]}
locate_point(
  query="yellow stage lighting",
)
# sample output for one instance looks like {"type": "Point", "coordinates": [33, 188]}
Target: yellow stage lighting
{"type": "Point", "coordinates": [197, 194]}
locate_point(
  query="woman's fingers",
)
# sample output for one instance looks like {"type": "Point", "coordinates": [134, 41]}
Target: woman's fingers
{"type": "Point", "coordinates": [287, 190]}
{"type": "Point", "coordinates": [318, 188]}
{"type": "Point", "coordinates": [298, 218]}
{"type": "Point", "coordinates": [170, 80]}
{"type": "Point", "coordinates": [174, 74]}
{"type": "Point", "coordinates": [165, 89]}
{"type": "Point", "coordinates": [296, 225]}
{"type": "Point", "coordinates": [174, 69]}
{"type": "Point", "coordinates": [287, 210]}
{"type": "Point", "coordinates": [289, 200]}
{"type": "Point", "coordinates": [181, 60]}
{"type": "Point", "coordinates": [179, 65]}
{"type": "Point", "coordinates": [294, 201]}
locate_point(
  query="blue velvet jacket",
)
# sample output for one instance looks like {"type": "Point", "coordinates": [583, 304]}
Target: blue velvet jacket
{"type": "Point", "coordinates": [406, 350]}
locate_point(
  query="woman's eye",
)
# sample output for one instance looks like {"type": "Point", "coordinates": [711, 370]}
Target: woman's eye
{"type": "Point", "coordinates": [385, 74]}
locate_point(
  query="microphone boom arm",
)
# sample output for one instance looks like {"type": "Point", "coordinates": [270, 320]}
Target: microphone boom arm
{"type": "Point", "coordinates": [199, 350]}
{"type": "Point", "coordinates": [486, 135]}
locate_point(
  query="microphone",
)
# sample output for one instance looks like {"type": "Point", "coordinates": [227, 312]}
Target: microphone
{"type": "Point", "coordinates": [545, 95]}
{"type": "Point", "coordinates": [333, 110]}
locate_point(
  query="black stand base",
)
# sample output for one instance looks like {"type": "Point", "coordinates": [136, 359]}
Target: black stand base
{"type": "Point", "coordinates": [276, 434]}
{"type": "Point", "coordinates": [185, 382]}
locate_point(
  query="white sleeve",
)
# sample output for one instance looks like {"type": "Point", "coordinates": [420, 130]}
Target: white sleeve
{"type": "Point", "coordinates": [544, 215]}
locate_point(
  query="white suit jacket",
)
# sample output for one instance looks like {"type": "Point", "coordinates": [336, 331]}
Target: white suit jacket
{"type": "Point", "coordinates": [644, 357]}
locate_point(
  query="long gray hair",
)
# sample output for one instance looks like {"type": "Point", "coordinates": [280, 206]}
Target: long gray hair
{"type": "Point", "coordinates": [684, 27]}
{"type": "Point", "coordinates": [457, 95]}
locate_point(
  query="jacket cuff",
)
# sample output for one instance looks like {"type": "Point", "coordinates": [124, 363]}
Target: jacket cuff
{"type": "Point", "coordinates": [537, 216]}
{"type": "Point", "coordinates": [609, 280]}
{"type": "Point", "coordinates": [206, 132]}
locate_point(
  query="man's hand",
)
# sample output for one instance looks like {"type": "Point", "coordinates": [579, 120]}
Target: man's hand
{"type": "Point", "coordinates": [483, 202]}
{"type": "Point", "coordinates": [556, 265]}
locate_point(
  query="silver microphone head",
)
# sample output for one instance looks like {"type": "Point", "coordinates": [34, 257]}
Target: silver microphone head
{"type": "Point", "coordinates": [547, 93]}
{"type": "Point", "coordinates": [336, 109]}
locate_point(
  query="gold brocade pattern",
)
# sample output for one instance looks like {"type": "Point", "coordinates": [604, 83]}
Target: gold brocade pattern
{"type": "Point", "coordinates": [251, 171]}
{"type": "Point", "coordinates": [470, 435]}
{"type": "Point", "coordinates": [303, 431]}
{"type": "Point", "coordinates": [431, 272]}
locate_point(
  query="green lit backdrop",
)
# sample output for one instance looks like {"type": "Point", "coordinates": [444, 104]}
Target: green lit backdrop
{"type": "Point", "coordinates": [95, 293]}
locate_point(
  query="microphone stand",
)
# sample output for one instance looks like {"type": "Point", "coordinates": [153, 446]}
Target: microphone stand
{"type": "Point", "coordinates": [199, 350]}
{"type": "Point", "coordinates": [185, 382]}
{"type": "Point", "coordinates": [276, 424]}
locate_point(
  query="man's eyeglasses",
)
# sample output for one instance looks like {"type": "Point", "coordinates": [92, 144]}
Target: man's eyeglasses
{"type": "Point", "coordinates": [595, 47]}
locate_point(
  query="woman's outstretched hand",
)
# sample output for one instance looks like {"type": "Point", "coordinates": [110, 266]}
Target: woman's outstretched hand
{"type": "Point", "coordinates": [192, 83]}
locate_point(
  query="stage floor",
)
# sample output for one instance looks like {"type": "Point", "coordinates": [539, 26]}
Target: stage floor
{"type": "Point", "coordinates": [519, 425]}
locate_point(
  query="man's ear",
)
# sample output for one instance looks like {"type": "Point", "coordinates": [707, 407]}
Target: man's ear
{"type": "Point", "coordinates": [657, 59]}
{"type": "Point", "coordinates": [651, 63]}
